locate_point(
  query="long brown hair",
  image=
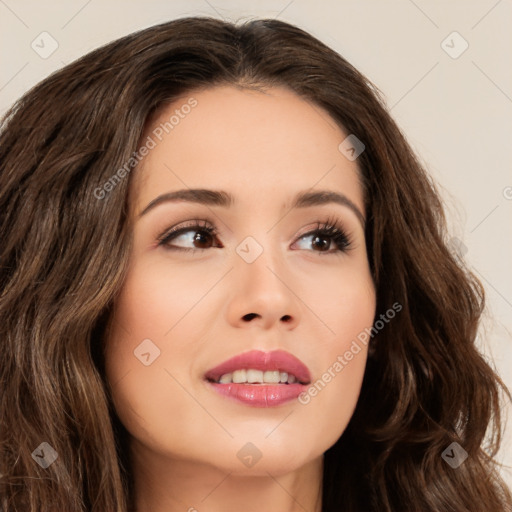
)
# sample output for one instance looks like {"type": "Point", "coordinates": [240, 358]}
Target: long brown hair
{"type": "Point", "coordinates": [65, 240]}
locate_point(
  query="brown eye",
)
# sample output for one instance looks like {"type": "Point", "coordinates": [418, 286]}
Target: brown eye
{"type": "Point", "coordinates": [324, 236]}
{"type": "Point", "coordinates": [203, 235]}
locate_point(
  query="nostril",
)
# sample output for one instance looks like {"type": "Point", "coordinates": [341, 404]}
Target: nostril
{"type": "Point", "coordinates": [249, 316]}
{"type": "Point", "coordinates": [286, 318]}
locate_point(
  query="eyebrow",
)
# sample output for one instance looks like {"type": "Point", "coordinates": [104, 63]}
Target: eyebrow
{"type": "Point", "coordinates": [224, 199]}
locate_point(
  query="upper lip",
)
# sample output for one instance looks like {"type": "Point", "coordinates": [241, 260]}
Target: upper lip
{"type": "Point", "coordinates": [259, 360]}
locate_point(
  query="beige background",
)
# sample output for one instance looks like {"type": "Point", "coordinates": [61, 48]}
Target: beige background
{"type": "Point", "coordinates": [456, 112]}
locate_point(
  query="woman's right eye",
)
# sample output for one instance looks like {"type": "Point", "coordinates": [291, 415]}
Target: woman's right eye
{"type": "Point", "coordinates": [202, 233]}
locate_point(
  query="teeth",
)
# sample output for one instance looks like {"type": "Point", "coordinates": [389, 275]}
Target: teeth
{"type": "Point", "coordinates": [226, 378]}
{"type": "Point", "coordinates": [239, 376]}
{"type": "Point", "coordinates": [252, 376]}
{"type": "Point", "coordinates": [272, 377]}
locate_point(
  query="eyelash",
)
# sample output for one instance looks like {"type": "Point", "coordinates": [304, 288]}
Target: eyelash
{"type": "Point", "coordinates": [328, 229]}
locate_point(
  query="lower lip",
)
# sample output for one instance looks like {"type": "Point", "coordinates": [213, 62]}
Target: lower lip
{"type": "Point", "coordinates": [258, 395]}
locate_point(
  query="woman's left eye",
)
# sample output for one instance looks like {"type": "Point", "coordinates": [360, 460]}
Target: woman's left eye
{"type": "Point", "coordinates": [205, 234]}
{"type": "Point", "coordinates": [329, 232]}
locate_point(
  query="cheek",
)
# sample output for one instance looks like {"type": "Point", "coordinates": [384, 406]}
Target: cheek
{"type": "Point", "coordinates": [347, 310]}
{"type": "Point", "coordinates": [149, 351]}
{"type": "Point", "coordinates": [329, 402]}
{"type": "Point", "coordinates": [154, 297]}
{"type": "Point", "coordinates": [344, 301]}
{"type": "Point", "coordinates": [156, 303]}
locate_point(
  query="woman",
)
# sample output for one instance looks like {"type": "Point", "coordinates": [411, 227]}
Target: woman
{"type": "Point", "coordinates": [311, 347]}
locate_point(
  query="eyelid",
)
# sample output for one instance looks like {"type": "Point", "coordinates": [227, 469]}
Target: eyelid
{"type": "Point", "coordinates": [320, 225]}
{"type": "Point", "coordinates": [186, 226]}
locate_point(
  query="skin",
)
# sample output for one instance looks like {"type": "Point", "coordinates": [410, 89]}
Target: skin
{"type": "Point", "coordinates": [262, 147]}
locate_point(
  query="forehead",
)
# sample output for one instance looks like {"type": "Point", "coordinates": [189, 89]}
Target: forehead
{"type": "Point", "coordinates": [263, 147]}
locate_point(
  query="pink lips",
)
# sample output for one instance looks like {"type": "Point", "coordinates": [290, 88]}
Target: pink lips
{"type": "Point", "coordinates": [261, 395]}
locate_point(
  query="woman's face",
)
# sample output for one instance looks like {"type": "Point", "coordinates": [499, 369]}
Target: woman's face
{"type": "Point", "coordinates": [263, 282]}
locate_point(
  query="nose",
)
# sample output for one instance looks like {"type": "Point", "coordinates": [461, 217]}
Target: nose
{"type": "Point", "coordinates": [263, 294]}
